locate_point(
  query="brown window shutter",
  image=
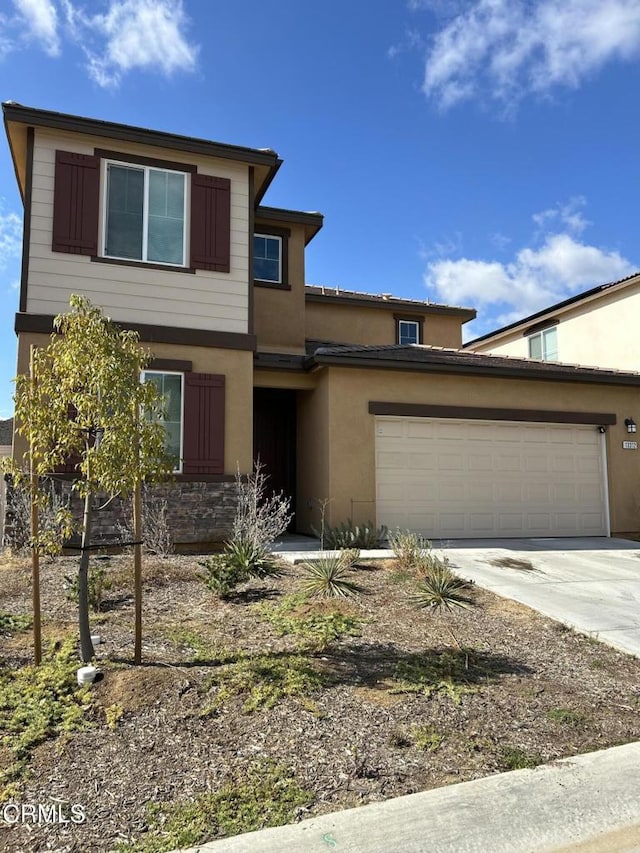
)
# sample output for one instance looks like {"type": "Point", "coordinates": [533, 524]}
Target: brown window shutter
{"type": "Point", "coordinates": [210, 223]}
{"type": "Point", "coordinates": [203, 445]}
{"type": "Point", "coordinates": [75, 203]}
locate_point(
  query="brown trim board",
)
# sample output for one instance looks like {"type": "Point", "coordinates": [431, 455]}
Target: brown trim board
{"type": "Point", "coordinates": [177, 365]}
{"type": "Point", "coordinates": [421, 410]}
{"type": "Point", "coordinates": [251, 324]}
{"type": "Point", "coordinates": [43, 323]}
{"type": "Point", "coordinates": [139, 160]}
{"type": "Point", "coordinates": [26, 222]}
{"type": "Point", "coordinates": [130, 133]}
{"type": "Point", "coordinates": [98, 259]}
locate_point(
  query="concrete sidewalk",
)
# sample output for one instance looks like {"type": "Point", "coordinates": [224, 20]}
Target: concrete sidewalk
{"type": "Point", "coordinates": [587, 804]}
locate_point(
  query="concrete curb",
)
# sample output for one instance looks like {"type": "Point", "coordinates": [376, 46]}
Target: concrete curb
{"type": "Point", "coordinates": [586, 804]}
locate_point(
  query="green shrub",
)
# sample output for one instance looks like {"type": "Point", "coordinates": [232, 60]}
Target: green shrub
{"type": "Point", "coordinates": [240, 562]}
{"type": "Point", "coordinates": [350, 535]}
{"type": "Point", "coordinates": [328, 577]}
{"type": "Point", "coordinates": [266, 795]}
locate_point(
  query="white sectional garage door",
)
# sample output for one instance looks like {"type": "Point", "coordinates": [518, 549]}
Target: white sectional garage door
{"type": "Point", "coordinates": [448, 478]}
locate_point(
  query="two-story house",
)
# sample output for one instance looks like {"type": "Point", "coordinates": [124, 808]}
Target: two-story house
{"type": "Point", "coordinates": [598, 327]}
{"type": "Point", "coordinates": [367, 401]}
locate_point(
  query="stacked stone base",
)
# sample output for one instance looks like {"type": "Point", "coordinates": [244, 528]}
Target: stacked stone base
{"type": "Point", "coordinates": [199, 515]}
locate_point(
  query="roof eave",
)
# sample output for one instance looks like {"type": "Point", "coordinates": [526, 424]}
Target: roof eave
{"type": "Point", "coordinates": [492, 370]}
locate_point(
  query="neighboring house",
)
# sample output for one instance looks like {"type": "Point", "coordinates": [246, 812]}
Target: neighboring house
{"type": "Point", "coordinates": [598, 328]}
{"type": "Point", "coordinates": [366, 401]}
{"type": "Point", "coordinates": [6, 438]}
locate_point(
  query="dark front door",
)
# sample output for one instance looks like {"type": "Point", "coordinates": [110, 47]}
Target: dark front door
{"type": "Point", "coordinates": [274, 438]}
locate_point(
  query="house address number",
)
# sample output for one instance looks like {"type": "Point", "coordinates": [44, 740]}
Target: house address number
{"type": "Point", "coordinates": [630, 445]}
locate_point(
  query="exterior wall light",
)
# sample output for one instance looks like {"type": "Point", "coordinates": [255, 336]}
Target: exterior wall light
{"type": "Point", "coordinates": [630, 425]}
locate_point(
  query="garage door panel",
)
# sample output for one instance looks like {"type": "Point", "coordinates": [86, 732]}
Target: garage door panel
{"type": "Point", "coordinates": [537, 463]}
{"type": "Point", "coordinates": [448, 478]}
{"type": "Point", "coordinates": [478, 492]}
{"type": "Point", "coordinates": [422, 461]}
{"type": "Point", "coordinates": [481, 462]}
{"type": "Point", "coordinates": [450, 462]}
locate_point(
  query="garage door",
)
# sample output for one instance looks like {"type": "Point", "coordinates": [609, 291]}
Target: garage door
{"type": "Point", "coordinates": [457, 479]}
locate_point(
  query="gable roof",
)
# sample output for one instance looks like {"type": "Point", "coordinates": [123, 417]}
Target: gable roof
{"type": "Point", "coordinates": [586, 296]}
{"type": "Point", "coordinates": [319, 293]}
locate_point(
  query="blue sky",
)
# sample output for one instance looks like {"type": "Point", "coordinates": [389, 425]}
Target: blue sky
{"type": "Point", "coordinates": [480, 153]}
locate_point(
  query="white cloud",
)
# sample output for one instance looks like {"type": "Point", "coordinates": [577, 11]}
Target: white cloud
{"type": "Point", "coordinates": [556, 267]}
{"type": "Point", "coordinates": [135, 34]}
{"type": "Point", "coordinates": [10, 237]}
{"type": "Point", "coordinates": [116, 36]}
{"type": "Point", "coordinates": [511, 48]}
{"type": "Point", "coordinates": [41, 20]}
{"type": "Point", "coordinates": [568, 214]}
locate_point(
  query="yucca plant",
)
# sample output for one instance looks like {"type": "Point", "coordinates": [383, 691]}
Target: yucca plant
{"type": "Point", "coordinates": [439, 590]}
{"type": "Point", "coordinates": [252, 559]}
{"type": "Point", "coordinates": [328, 577]}
{"type": "Point", "coordinates": [409, 549]}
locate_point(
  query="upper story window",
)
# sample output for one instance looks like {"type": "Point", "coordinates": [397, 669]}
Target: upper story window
{"type": "Point", "coordinates": [267, 258]}
{"type": "Point", "coordinates": [408, 332]}
{"type": "Point", "coordinates": [170, 388]}
{"type": "Point", "coordinates": [145, 214]}
{"type": "Point", "coordinates": [123, 209]}
{"type": "Point", "coordinates": [544, 345]}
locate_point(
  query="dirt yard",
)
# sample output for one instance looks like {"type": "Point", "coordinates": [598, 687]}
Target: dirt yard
{"type": "Point", "coordinates": [353, 702]}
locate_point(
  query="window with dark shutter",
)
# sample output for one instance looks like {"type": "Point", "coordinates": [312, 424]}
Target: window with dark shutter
{"type": "Point", "coordinates": [76, 203]}
{"type": "Point", "coordinates": [210, 223]}
{"type": "Point", "coordinates": [203, 442]}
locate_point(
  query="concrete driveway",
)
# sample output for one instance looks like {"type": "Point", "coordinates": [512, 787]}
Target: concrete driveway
{"type": "Point", "coordinates": [591, 584]}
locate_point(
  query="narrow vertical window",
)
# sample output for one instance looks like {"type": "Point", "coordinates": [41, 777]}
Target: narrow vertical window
{"type": "Point", "coordinates": [408, 332]}
{"type": "Point", "coordinates": [169, 386]}
{"type": "Point", "coordinates": [267, 258]}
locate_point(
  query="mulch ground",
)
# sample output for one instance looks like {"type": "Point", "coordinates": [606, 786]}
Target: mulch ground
{"type": "Point", "coordinates": [534, 692]}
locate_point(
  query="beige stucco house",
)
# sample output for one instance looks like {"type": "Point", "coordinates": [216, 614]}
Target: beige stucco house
{"type": "Point", "coordinates": [598, 328]}
{"type": "Point", "coordinates": [367, 401]}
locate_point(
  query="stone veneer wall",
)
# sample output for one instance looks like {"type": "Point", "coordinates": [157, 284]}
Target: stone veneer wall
{"type": "Point", "coordinates": [198, 513]}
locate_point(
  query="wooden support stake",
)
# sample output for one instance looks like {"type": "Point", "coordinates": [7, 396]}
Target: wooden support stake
{"type": "Point", "coordinates": [35, 556]}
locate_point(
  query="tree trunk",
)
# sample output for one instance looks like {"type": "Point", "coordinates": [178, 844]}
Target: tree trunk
{"type": "Point", "coordinates": [86, 646]}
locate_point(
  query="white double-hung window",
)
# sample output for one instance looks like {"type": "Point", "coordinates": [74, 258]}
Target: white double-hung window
{"type": "Point", "coordinates": [145, 214]}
